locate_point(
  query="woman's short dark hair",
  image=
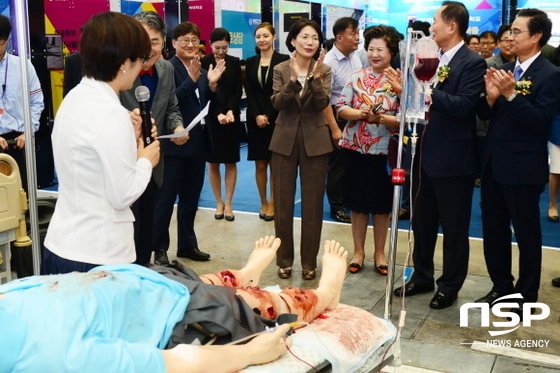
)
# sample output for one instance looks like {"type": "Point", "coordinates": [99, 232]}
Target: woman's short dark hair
{"type": "Point", "coordinates": [382, 32]}
{"type": "Point", "coordinates": [219, 34]}
{"type": "Point", "coordinates": [152, 19]}
{"type": "Point", "coordinates": [185, 28]}
{"type": "Point", "coordinates": [538, 22]}
{"type": "Point", "coordinates": [5, 27]}
{"type": "Point", "coordinates": [296, 29]}
{"type": "Point", "coordinates": [108, 40]}
{"type": "Point", "coordinates": [266, 25]}
{"type": "Point", "coordinates": [455, 11]}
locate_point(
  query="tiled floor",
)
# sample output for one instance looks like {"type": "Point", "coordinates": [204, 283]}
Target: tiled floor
{"type": "Point", "coordinates": [430, 339]}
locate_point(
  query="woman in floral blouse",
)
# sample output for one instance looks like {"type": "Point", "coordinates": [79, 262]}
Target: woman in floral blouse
{"type": "Point", "coordinates": [369, 103]}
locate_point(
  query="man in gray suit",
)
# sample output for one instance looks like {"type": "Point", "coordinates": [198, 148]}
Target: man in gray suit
{"type": "Point", "coordinates": [157, 74]}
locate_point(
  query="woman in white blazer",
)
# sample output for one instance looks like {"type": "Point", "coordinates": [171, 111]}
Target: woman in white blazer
{"type": "Point", "coordinates": [101, 162]}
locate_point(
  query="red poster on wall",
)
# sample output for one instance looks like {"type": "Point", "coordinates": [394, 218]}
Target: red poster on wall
{"type": "Point", "coordinates": [201, 13]}
{"type": "Point", "coordinates": [67, 17]}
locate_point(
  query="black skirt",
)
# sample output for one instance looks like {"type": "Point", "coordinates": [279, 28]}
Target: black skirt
{"type": "Point", "coordinates": [367, 183]}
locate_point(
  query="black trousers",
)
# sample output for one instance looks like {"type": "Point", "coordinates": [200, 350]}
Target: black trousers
{"type": "Point", "coordinates": [183, 177]}
{"type": "Point", "coordinates": [143, 210]}
{"type": "Point", "coordinates": [335, 174]}
{"type": "Point", "coordinates": [446, 201]}
{"type": "Point", "coordinates": [518, 205]}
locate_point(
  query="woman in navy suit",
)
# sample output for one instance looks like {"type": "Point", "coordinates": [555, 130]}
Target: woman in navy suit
{"type": "Point", "coordinates": [261, 115]}
{"type": "Point", "coordinates": [224, 125]}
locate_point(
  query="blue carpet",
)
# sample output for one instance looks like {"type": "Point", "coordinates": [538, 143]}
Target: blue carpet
{"type": "Point", "coordinates": [246, 199]}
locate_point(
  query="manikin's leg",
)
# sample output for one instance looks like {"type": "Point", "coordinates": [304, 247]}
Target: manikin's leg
{"type": "Point", "coordinates": [260, 258]}
{"type": "Point", "coordinates": [307, 304]}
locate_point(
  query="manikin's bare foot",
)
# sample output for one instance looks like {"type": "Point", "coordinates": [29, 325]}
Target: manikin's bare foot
{"type": "Point", "coordinates": [333, 273]}
{"type": "Point", "coordinates": [260, 258]}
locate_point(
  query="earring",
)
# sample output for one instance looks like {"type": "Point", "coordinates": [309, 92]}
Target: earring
{"type": "Point", "coordinates": [123, 71]}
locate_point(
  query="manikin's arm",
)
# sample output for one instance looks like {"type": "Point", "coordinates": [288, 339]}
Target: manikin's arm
{"type": "Point", "coordinates": [217, 359]}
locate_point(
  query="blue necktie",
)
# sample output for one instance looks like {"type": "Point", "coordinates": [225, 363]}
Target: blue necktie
{"type": "Point", "coordinates": [517, 73]}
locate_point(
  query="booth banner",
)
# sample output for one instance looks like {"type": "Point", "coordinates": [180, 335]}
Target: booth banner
{"type": "Point", "coordinates": [241, 27]}
{"type": "Point", "coordinates": [132, 7]}
{"type": "Point", "coordinates": [65, 18]}
{"type": "Point", "coordinates": [250, 6]}
{"type": "Point", "coordinates": [538, 4]}
{"type": "Point", "coordinates": [201, 13]}
{"type": "Point", "coordinates": [484, 14]}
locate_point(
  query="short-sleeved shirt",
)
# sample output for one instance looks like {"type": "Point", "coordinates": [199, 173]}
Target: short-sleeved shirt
{"type": "Point", "coordinates": [342, 67]}
{"type": "Point", "coordinates": [114, 318]}
{"type": "Point", "coordinates": [365, 88]}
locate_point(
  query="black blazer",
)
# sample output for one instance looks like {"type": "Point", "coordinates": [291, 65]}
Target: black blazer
{"type": "Point", "coordinates": [448, 145]}
{"type": "Point", "coordinates": [72, 72]}
{"type": "Point", "coordinates": [516, 142]}
{"type": "Point", "coordinates": [189, 105]}
{"type": "Point", "coordinates": [258, 97]}
{"type": "Point", "coordinates": [230, 84]}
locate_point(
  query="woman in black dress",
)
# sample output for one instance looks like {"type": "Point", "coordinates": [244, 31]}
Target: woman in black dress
{"type": "Point", "coordinates": [224, 125]}
{"type": "Point", "coordinates": [261, 115]}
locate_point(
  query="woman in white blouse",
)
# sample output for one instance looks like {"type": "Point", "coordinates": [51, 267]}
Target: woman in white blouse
{"type": "Point", "coordinates": [101, 162]}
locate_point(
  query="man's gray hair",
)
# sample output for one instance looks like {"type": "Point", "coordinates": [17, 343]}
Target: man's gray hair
{"type": "Point", "coordinates": [153, 20]}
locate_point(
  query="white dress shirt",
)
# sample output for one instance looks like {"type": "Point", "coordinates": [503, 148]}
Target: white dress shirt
{"type": "Point", "coordinates": [95, 155]}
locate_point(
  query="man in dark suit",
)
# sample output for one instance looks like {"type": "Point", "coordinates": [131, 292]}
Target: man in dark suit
{"type": "Point", "coordinates": [184, 165]}
{"type": "Point", "coordinates": [157, 75]}
{"type": "Point", "coordinates": [521, 100]}
{"type": "Point", "coordinates": [447, 162]}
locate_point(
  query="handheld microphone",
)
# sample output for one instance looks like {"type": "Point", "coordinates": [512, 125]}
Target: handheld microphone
{"type": "Point", "coordinates": [142, 94]}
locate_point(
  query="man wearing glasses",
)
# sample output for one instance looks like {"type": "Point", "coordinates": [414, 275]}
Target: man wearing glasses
{"type": "Point", "coordinates": [183, 174]}
{"type": "Point", "coordinates": [157, 75]}
{"type": "Point", "coordinates": [504, 43]}
{"type": "Point", "coordinates": [12, 138]}
{"type": "Point", "coordinates": [488, 42]}
{"type": "Point", "coordinates": [522, 98]}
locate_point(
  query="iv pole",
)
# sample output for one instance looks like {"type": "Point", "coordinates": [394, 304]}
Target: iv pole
{"type": "Point", "coordinates": [397, 177]}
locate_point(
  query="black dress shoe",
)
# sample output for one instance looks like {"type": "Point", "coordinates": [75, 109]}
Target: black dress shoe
{"type": "Point", "coordinates": [340, 216]}
{"type": "Point", "coordinates": [160, 258]}
{"type": "Point", "coordinates": [556, 282]}
{"type": "Point", "coordinates": [489, 298]}
{"type": "Point", "coordinates": [441, 301]}
{"type": "Point", "coordinates": [411, 288]}
{"type": "Point", "coordinates": [194, 254]}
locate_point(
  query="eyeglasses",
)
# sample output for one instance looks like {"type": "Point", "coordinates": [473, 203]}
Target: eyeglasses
{"type": "Point", "coordinates": [515, 32]}
{"type": "Point", "coordinates": [186, 41]}
{"type": "Point", "coordinates": [307, 38]}
{"type": "Point", "coordinates": [487, 43]}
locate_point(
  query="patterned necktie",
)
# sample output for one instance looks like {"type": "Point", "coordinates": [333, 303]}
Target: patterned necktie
{"type": "Point", "coordinates": [518, 72]}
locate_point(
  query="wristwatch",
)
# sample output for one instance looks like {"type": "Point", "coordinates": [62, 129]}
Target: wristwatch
{"type": "Point", "coordinates": [511, 97]}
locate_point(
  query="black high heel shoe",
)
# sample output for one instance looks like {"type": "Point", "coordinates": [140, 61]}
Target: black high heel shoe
{"type": "Point", "coordinates": [220, 216]}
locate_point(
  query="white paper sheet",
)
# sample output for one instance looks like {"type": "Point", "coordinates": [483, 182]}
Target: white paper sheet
{"type": "Point", "coordinates": [193, 123]}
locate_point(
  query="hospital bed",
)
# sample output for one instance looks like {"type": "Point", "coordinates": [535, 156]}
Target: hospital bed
{"type": "Point", "coordinates": [346, 339]}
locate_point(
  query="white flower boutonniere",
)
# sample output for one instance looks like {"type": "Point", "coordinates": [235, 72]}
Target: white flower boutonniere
{"type": "Point", "coordinates": [443, 73]}
{"type": "Point", "coordinates": [523, 86]}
